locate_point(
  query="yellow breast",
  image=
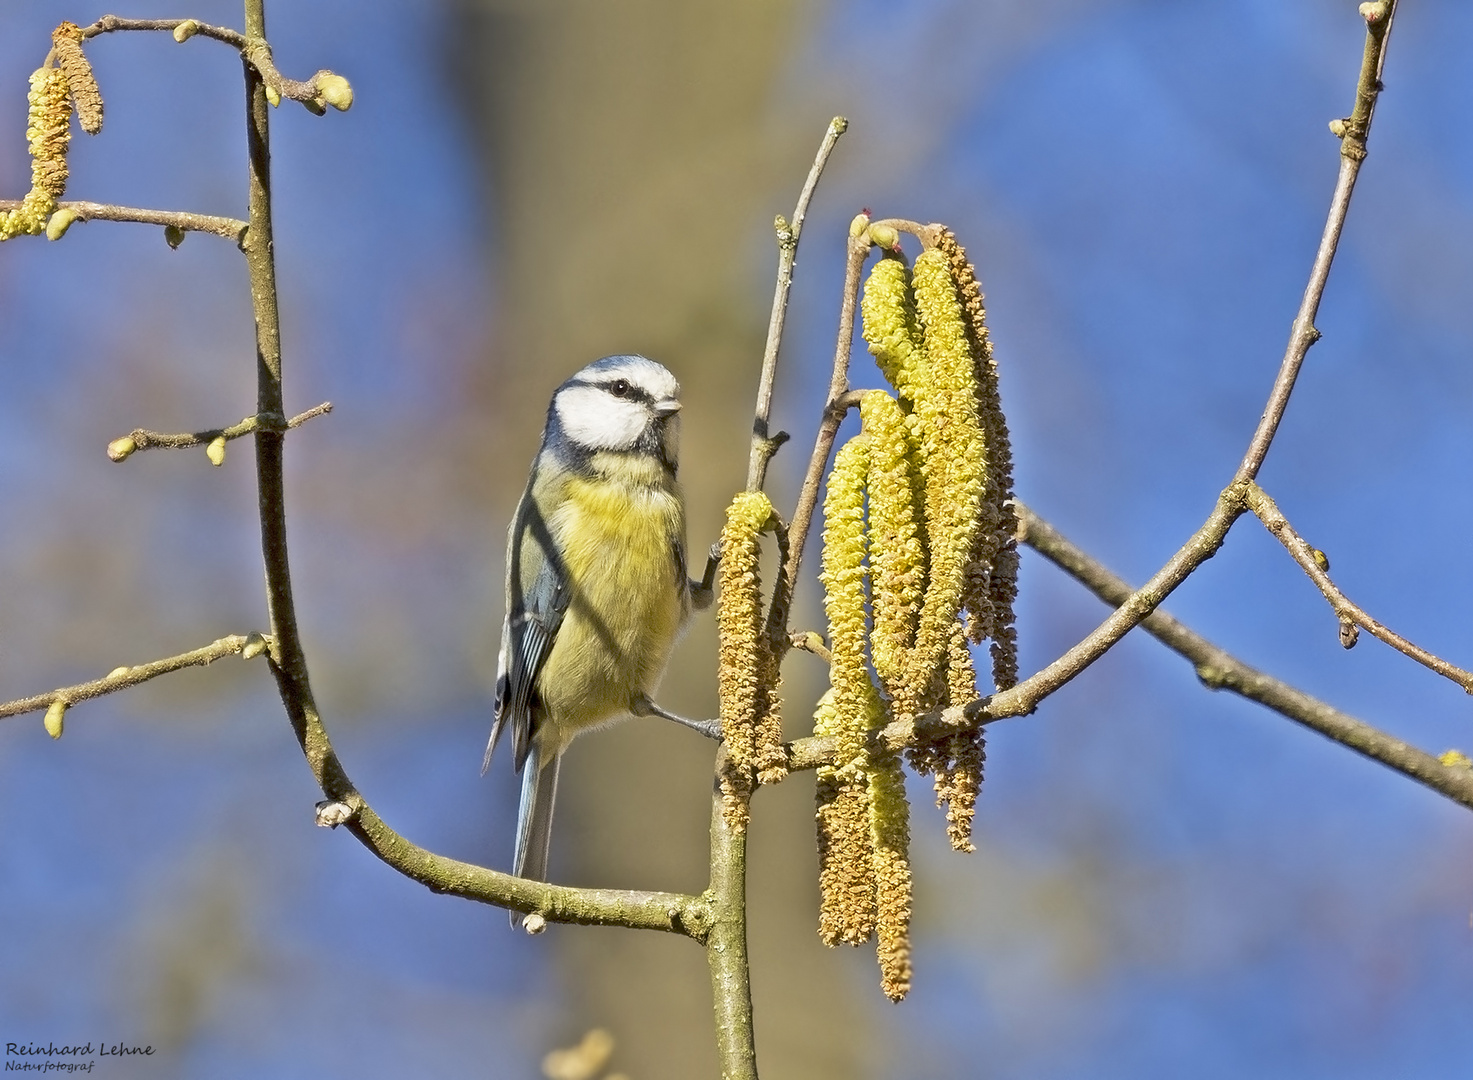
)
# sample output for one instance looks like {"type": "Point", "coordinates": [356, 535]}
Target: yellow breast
{"type": "Point", "coordinates": [627, 604]}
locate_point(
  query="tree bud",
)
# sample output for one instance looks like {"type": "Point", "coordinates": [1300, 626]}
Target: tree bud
{"type": "Point", "coordinates": [884, 236]}
{"type": "Point", "coordinates": [59, 223]}
{"type": "Point", "coordinates": [55, 717]}
{"type": "Point", "coordinates": [119, 449]}
{"type": "Point", "coordinates": [335, 90]}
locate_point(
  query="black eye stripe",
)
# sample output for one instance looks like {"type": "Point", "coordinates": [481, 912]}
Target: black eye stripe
{"type": "Point", "coordinates": [632, 390]}
{"type": "Point", "coordinates": [626, 390]}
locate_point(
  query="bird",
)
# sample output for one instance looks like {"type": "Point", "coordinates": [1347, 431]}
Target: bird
{"type": "Point", "coordinates": [597, 588]}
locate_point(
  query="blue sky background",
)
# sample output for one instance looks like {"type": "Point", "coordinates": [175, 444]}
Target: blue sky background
{"type": "Point", "coordinates": [1169, 882]}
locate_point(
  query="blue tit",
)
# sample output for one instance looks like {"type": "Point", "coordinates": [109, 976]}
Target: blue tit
{"type": "Point", "coordinates": [596, 585]}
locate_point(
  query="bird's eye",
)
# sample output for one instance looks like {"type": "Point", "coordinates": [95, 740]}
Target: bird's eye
{"type": "Point", "coordinates": [619, 388]}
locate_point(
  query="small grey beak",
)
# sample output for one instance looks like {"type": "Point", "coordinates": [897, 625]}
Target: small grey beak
{"type": "Point", "coordinates": [668, 407]}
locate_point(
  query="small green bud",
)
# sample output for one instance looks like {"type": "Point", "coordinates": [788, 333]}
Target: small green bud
{"type": "Point", "coordinates": [216, 451]}
{"type": "Point", "coordinates": [273, 96]}
{"type": "Point", "coordinates": [185, 30]}
{"type": "Point", "coordinates": [55, 717]}
{"type": "Point", "coordinates": [858, 225]}
{"type": "Point", "coordinates": [59, 223]}
{"type": "Point", "coordinates": [1374, 13]}
{"type": "Point", "coordinates": [335, 90]}
{"type": "Point", "coordinates": [255, 645]}
{"type": "Point", "coordinates": [119, 449]}
{"type": "Point", "coordinates": [1337, 128]}
{"type": "Point", "coordinates": [884, 236]}
{"type": "Point", "coordinates": [119, 671]}
{"type": "Point", "coordinates": [1321, 559]}
{"type": "Point", "coordinates": [173, 236]}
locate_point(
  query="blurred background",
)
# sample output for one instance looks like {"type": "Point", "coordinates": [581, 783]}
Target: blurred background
{"type": "Point", "coordinates": [1169, 882]}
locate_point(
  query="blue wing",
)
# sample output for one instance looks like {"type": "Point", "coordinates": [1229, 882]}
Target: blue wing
{"type": "Point", "coordinates": [537, 595]}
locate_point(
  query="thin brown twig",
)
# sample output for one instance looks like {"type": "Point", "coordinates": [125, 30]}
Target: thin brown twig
{"type": "Point", "coordinates": [811, 641]}
{"type": "Point", "coordinates": [153, 440]}
{"type": "Point", "coordinates": [840, 401]}
{"type": "Point", "coordinates": [124, 677]}
{"type": "Point", "coordinates": [1345, 609]}
{"type": "Point", "coordinates": [253, 48]}
{"type": "Point", "coordinates": [229, 228]}
{"type": "Point", "coordinates": [1218, 670]}
{"type": "Point", "coordinates": [928, 235]}
{"type": "Point", "coordinates": [788, 234]}
{"type": "Point", "coordinates": [1354, 132]}
{"type": "Point", "coordinates": [1222, 671]}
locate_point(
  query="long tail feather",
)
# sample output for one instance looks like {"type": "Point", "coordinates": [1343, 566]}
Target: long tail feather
{"type": "Point", "coordinates": [534, 818]}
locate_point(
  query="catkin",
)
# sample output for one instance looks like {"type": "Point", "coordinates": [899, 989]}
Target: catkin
{"type": "Point", "coordinates": [890, 838]}
{"type": "Point", "coordinates": [743, 654]}
{"type": "Point", "coordinates": [890, 327]}
{"type": "Point", "coordinates": [66, 44]}
{"type": "Point", "coordinates": [897, 557]}
{"type": "Point", "coordinates": [992, 572]}
{"type": "Point", "coordinates": [48, 131]}
{"type": "Point", "coordinates": [842, 578]}
{"type": "Point", "coordinates": [846, 868]}
{"type": "Point", "coordinates": [951, 441]}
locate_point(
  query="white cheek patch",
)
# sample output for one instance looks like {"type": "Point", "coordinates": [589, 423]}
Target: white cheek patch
{"type": "Point", "coordinates": [592, 418]}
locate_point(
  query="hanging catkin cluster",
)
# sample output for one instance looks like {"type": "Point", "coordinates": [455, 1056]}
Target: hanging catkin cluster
{"type": "Point", "coordinates": [928, 333]}
{"type": "Point", "coordinates": [918, 557]}
{"type": "Point", "coordinates": [751, 723]}
{"type": "Point", "coordinates": [992, 571]}
{"type": "Point", "coordinates": [48, 130]}
{"type": "Point", "coordinates": [863, 816]}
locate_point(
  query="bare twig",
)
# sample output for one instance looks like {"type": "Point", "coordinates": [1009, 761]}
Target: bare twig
{"type": "Point", "coordinates": [252, 47]}
{"type": "Point", "coordinates": [110, 23]}
{"type": "Point", "coordinates": [1354, 132]}
{"type": "Point", "coordinates": [1347, 611]}
{"type": "Point", "coordinates": [840, 401]}
{"type": "Point", "coordinates": [788, 233]}
{"type": "Point", "coordinates": [229, 228]}
{"type": "Point", "coordinates": [1222, 671]}
{"type": "Point", "coordinates": [153, 440]}
{"type": "Point", "coordinates": [926, 234]}
{"type": "Point", "coordinates": [1203, 544]}
{"type": "Point", "coordinates": [811, 641]}
{"type": "Point", "coordinates": [124, 677]}
{"type": "Point", "coordinates": [1217, 669]}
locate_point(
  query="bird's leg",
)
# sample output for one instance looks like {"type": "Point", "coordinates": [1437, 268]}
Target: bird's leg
{"type": "Point", "coordinates": [702, 592]}
{"type": "Point", "coordinates": [643, 706]}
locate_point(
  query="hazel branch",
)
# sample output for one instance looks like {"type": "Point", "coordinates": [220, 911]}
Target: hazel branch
{"type": "Point", "coordinates": [672, 912]}
{"type": "Point", "coordinates": [1219, 670]}
{"type": "Point", "coordinates": [139, 439]}
{"type": "Point", "coordinates": [763, 445]}
{"type": "Point", "coordinates": [229, 228]}
{"type": "Point", "coordinates": [1353, 133]}
{"type": "Point", "coordinates": [1348, 612]}
{"type": "Point", "coordinates": [321, 90]}
{"type": "Point", "coordinates": [124, 677]}
{"type": "Point", "coordinates": [840, 401]}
